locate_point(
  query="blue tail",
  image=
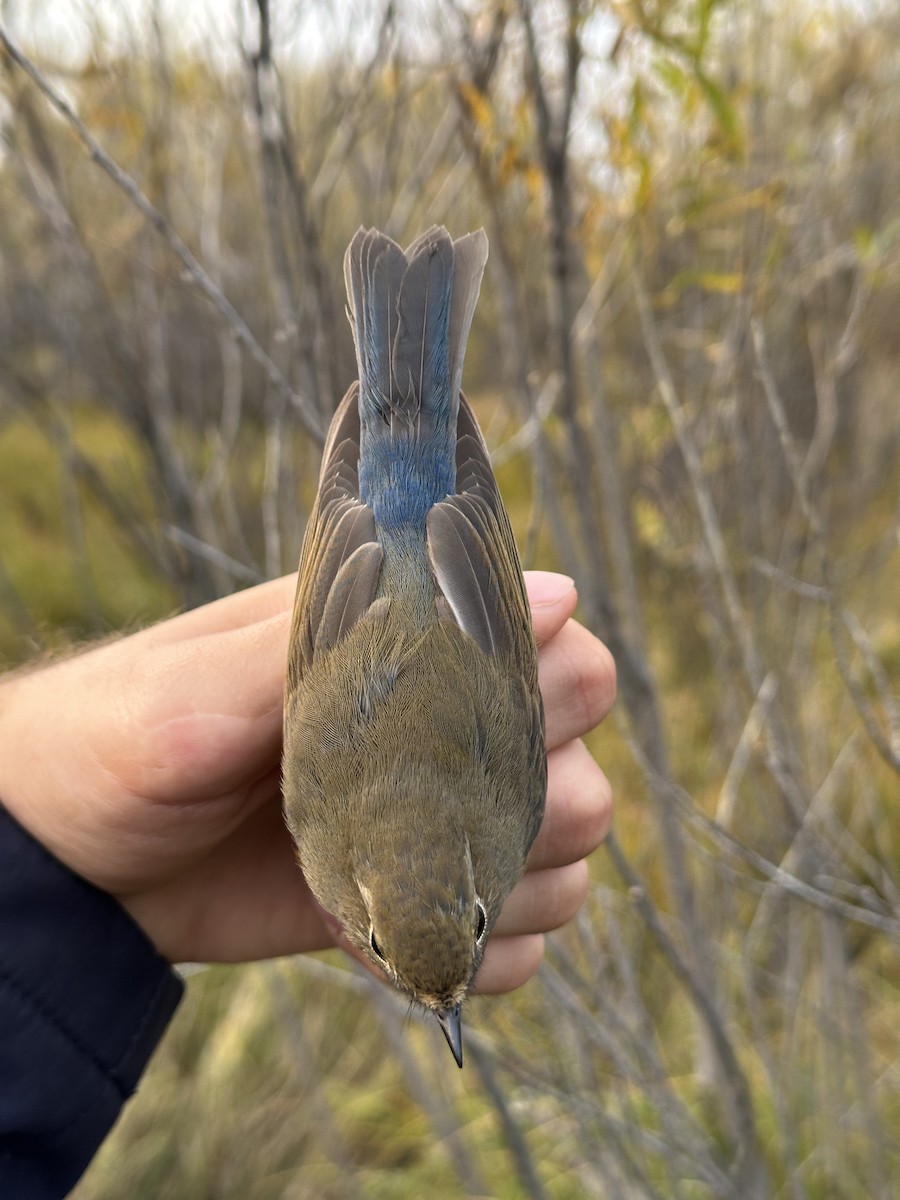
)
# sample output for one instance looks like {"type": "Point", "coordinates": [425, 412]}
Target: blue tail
{"type": "Point", "coordinates": [411, 314]}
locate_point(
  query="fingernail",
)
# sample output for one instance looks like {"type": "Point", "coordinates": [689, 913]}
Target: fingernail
{"type": "Point", "coordinates": [546, 588]}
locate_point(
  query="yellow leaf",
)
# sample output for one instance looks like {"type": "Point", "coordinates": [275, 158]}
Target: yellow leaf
{"type": "Point", "coordinates": [724, 281]}
{"type": "Point", "coordinates": [478, 106]}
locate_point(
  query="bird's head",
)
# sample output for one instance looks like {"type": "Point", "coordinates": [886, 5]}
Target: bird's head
{"type": "Point", "coordinates": [407, 899]}
{"type": "Point", "coordinates": [423, 922]}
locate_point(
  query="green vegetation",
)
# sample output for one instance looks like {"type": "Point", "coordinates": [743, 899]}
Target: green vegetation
{"type": "Point", "coordinates": [71, 570]}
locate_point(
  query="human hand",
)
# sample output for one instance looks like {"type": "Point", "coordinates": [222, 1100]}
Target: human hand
{"type": "Point", "coordinates": [150, 766]}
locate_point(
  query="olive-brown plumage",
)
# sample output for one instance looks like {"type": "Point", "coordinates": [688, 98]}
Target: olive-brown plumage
{"type": "Point", "coordinates": [414, 762]}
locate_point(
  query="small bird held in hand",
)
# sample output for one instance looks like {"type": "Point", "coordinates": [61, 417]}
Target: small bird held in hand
{"type": "Point", "coordinates": [414, 763]}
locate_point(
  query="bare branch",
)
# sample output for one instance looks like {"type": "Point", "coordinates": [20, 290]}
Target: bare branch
{"type": "Point", "coordinates": [840, 619]}
{"type": "Point", "coordinates": [192, 267]}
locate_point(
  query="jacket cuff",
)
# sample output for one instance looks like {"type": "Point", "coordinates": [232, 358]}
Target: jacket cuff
{"type": "Point", "coordinates": [84, 999]}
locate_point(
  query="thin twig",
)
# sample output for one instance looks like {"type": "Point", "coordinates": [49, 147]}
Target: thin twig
{"type": "Point", "coordinates": [195, 271]}
{"type": "Point", "coordinates": [888, 746]}
{"type": "Point", "coordinates": [748, 1167]}
{"type": "Point", "coordinates": [784, 879]}
{"type": "Point", "coordinates": [712, 532]}
{"type": "Point", "coordinates": [212, 554]}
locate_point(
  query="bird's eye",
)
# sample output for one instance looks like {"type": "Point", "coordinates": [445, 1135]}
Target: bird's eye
{"type": "Point", "coordinates": [482, 921]}
{"type": "Point", "coordinates": [374, 944]}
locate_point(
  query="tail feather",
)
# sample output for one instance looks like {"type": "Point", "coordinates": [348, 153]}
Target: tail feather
{"type": "Point", "coordinates": [469, 258]}
{"type": "Point", "coordinates": [410, 314]}
{"type": "Point", "coordinates": [420, 363]}
{"type": "Point", "coordinates": [374, 266]}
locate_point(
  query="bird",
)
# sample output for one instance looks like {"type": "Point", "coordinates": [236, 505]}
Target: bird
{"type": "Point", "coordinates": [414, 762]}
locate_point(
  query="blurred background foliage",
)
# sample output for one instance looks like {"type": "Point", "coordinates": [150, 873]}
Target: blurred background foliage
{"type": "Point", "coordinates": [686, 359]}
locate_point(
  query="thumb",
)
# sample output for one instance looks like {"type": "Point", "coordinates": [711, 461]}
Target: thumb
{"type": "Point", "coordinates": [552, 598]}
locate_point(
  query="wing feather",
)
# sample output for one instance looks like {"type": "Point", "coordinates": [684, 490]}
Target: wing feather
{"type": "Point", "coordinates": [474, 557]}
{"type": "Point", "coordinates": [340, 563]}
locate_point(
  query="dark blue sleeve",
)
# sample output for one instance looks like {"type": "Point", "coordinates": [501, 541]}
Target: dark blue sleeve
{"type": "Point", "coordinates": [84, 998]}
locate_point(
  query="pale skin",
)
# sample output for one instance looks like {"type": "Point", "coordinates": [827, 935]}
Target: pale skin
{"type": "Point", "coordinates": [150, 765]}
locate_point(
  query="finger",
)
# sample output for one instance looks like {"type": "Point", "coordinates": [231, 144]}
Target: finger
{"type": "Point", "coordinates": [578, 683]}
{"type": "Point", "coordinates": [241, 608]}
{"type": "Point", "coordinates": [579, 808]}
{"type": "Point", "coordinates": [205, 714]}
{"type": "Point", "coordinates": [508, 963]}
{"type": "Point", "coordinates": [552, 598]}
{"type": "Point", "coordinates": [544, 900]}
{"type": "Point", "coordinates": [247, 899]}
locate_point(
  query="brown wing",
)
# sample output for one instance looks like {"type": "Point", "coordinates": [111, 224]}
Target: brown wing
{"type": "Point", "coordinates": [340, 562]}
{"type": "Point", "coordinates": [474, 558]}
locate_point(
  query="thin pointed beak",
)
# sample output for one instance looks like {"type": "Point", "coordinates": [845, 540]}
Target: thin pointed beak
{"type": "Point", "coordinates": [449, 1021]}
